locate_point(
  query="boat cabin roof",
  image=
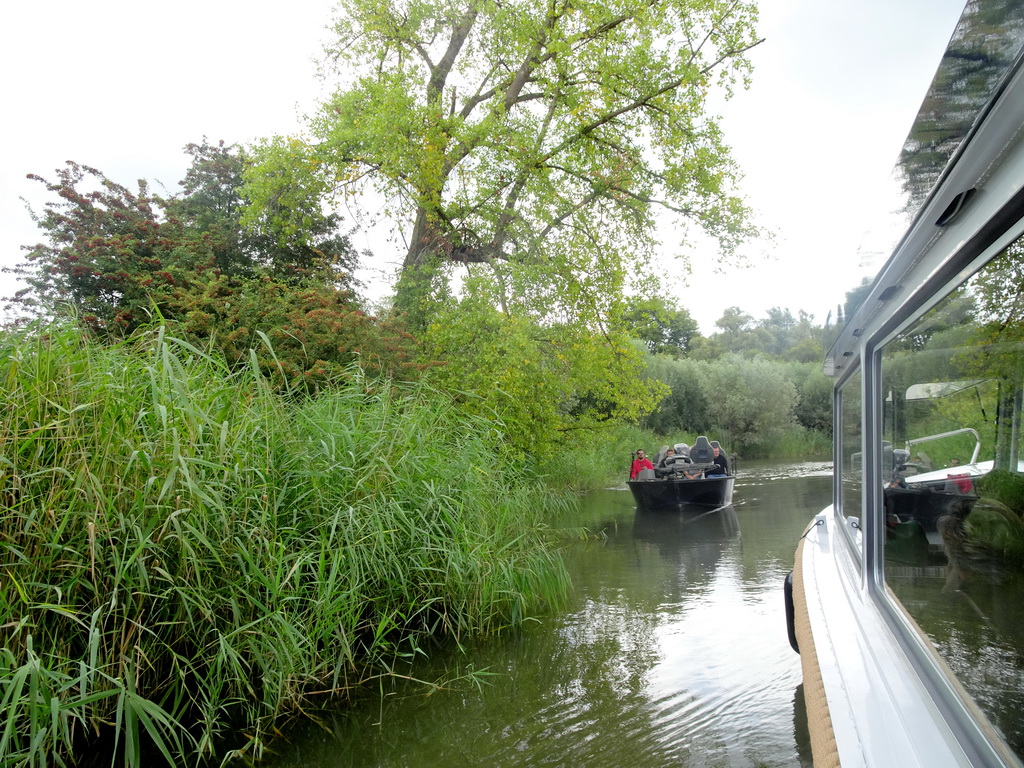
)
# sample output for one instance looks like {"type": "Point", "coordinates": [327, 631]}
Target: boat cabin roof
{"type": "Point", "coordinates": [955, 175]}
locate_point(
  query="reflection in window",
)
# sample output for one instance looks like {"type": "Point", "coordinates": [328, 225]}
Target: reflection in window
{"type": "Point", "coordinates": [954, 496]}
{"type": "Point", "coordinates": [850, 500]}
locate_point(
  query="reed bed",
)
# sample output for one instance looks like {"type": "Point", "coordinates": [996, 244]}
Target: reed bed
{"type": "Point", "coordinates": [602, 461]}
{"type": "Point", "coordinates": [185, 556]}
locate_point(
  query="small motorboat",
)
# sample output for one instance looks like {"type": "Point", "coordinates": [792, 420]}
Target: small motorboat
{"type": "Point", "coordinates": [692, 480]}
{"type": "Point", "coordinates": [923, 495]}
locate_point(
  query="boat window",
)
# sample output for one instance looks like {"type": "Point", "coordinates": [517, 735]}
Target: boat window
{"type": "Point", "coordinates": [852, 456]}
{"type": "Point", "coordinates": [954, 488]}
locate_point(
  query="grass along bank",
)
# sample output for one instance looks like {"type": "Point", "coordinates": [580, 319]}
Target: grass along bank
{"type": "Point", "coordinates": [185, 556]}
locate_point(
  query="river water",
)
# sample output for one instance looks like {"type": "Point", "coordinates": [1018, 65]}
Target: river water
{"type": "Point", "coordinates": [672, 651]}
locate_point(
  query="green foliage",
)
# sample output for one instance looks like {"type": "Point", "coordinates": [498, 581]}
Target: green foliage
{"type": "Point", "coordinates": [995, 529]}
{"type": "Point", "coordinates": [304, 336]}
{"type": "Point", "coordinates": [807, 350]}
{"type": "Point", "coordinates": [797, 443]}
{"type": "Point", "coordinates": [117, 259]}
{"type": "Point", "coordinates": [758, 381]}
{"type": "Point", "coordinates": [596, 460]}
{"type": "Point", "coordinates": [855, 297]}
{"type": "Point", "coordinates": [997, 336]}
{"type": "Point", "coordinates": [420, 290]}
{"type": "Point", "coordinates": [1005, 487]}
{"type": "Point", "coordinates": [749, 404]}
{"type": "Point", "coordinates": [523, 135]}
{"type": "Point", "coordinates": [665, 329]}
{"type": "Point", "coordinates": [211, 204]}
{"type": "Point", "coordinates": [187, 557]}
{"type": "Point", "coordinates": [686, 407]}
{"type": "Point", "coordinates": [752, 401]}
{"type": "Point", "coordinates": [778, 335]}
{"type": "Point", "coordinates": [813, 409]}
{"type": "Point", "coordinates": [549, 384]}
{"type": "Point", "coordinates": [734, 322]}
{"type": "Point", "coordinates": [792, 338]}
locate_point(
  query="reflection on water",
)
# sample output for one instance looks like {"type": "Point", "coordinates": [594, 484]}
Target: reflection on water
{"type": "Point", "coordinates": [970, 609]}
{"type": "Point", "coordinates": [672, 652]}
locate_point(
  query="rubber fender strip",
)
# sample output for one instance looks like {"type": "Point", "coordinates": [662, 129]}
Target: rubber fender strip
{"type": "Point", "coordinates": [819, 721]}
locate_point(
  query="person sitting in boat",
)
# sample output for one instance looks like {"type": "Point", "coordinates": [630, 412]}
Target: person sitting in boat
{"type": "Point", "coordinates": [668, 459]}
{"type": "Point", "coordinates": [640, 462]}
{"type": "Point", "coordinates": [921, 462]}
{"type": "Point", "coordinates": [683, 458]}
{"type": "Point", "coordinates": [667, 463]}
{"type": "Point", "coordinates": [721, 463]}
{"type": "Point", "coordinates": [659, 457]}
{"type": "Point", "coordinates": [718, 445]}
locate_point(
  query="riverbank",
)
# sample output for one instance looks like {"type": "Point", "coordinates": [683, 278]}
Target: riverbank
{"type": "Point", "coordinates": [189, 557]}
{"type": "Point", "coordinates": [670, 651]}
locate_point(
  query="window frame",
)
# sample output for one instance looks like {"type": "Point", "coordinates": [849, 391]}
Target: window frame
{"type": "Point", "coordinates": [973, 731]}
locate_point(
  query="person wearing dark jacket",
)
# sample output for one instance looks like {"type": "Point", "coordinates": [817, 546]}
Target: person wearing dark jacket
{"type": "Point", "coordinates": [721, 463]}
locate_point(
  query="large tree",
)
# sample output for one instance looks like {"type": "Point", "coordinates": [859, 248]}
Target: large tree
{"type": "Point", "coordinates": [116, 259]}
{"type": "Point", "coordinates": [664, 328]}
{"type": "Point", "coordinates": [211, 203]}
{"type": "Point", "coordinates": [113, 256]}
{"type": "Point", "coordinates": [536, 134]}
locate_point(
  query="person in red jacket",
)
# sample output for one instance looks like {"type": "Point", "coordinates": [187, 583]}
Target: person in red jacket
{"type": "Point", "coordinates": [640, 462]}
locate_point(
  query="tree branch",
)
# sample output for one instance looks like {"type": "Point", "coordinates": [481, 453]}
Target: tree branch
{"type": "Point", "coordinates": [460, 32]}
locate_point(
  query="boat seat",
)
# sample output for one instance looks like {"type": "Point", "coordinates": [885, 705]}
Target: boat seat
{"type": "Point", "coordinates": [702, 452]}
{"type": "Point", "coordinates": [646, 474]}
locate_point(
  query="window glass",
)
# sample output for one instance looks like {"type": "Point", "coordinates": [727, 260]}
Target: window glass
{"type": "Point", "coordinates": [852, 456]}
{"type": "Point", "coordinates": [954, 491]}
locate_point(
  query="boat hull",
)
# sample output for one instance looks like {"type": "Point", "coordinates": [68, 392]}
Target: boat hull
{"type": "Point", "coordinates": [674, 495]}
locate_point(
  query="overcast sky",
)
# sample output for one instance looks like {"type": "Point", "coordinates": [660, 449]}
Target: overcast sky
{"type": "Point", "coordinates": [123, 86]}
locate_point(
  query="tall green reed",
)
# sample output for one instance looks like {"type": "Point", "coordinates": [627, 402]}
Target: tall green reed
{"type": "Point", "coordinates": [794, 443]}
{"type": "Point", "coordinates": [602, 458]}
{"type": "Point", "coordinates": [186, 556]}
